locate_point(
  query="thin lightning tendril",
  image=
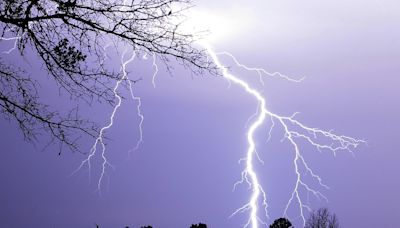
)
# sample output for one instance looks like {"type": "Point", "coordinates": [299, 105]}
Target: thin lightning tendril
{"type": "Point", "coordinates": [308, 134]}
{"type": "Point", "coordinates": [12, 38]}
{"type": "Point", "coordinates": [139, 113]}
{"type": "Point", "coordinates": [100, 138]}
{"type": "Point", "coordinates": [155, 66]}
{"type": "Point", "coordinates": [139, 101]}
{"type": "Point", "coordinates": [50, 9]}
{"type": "Point", "coordinates": [259, 71]}
{"type": "Point", "coordinates": [16, 38]}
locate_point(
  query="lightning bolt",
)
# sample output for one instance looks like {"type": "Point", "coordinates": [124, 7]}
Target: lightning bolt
{"type": "Point", "coordinates": [139, 101]}
{"type": "Point", "coordinates": [293, 131]}
{"type": "Point", "coordinates": [140, 115]}
{"type": "Point", "coordinates": [100, 139]}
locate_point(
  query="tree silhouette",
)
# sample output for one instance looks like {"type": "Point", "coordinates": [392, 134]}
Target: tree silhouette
{"type": "Point", "coordinates": [146, 227]}
{"type": "Point", "coordinates": [281, 223]}
{"type": "Point", "coordinates": [200, 225]}
{"type": "Point", "coordinates": [69, 37]}
{"type": "Point", "coordinates": [322, 218]}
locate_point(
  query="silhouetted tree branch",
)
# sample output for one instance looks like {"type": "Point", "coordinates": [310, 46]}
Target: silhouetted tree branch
{"type": "Point", "coordinates": [322, 218]}
{"type": "Point", "coordinates": [19, 101]}
{"type": "Point", "coordinates": [69, 38]}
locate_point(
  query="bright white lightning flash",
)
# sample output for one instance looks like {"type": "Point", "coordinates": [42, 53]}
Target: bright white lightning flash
{"type": "Point", "coordinates": [288, 123]}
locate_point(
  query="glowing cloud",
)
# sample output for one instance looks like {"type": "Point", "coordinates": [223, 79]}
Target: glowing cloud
{"type": "Point", "coordinates": [219, 25]}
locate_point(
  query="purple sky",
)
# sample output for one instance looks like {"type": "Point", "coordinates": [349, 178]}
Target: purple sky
{"type": "Point", "coordinates": [195, 128]}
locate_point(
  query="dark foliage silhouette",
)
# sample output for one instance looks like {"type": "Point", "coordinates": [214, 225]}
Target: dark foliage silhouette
{"type": "Point", "coordinates": [281, 223]}
{"type": "Point", "coordinates": [146, 227]}
{"type": "Point", "coordinates": [200, 225]}
{"type": "Point", "coordinates": [322, 218]}
{"type": "Point", "coordinates": [68, 37]}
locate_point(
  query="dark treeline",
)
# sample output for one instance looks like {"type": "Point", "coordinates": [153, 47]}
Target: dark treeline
{"type": "Point", "coordinates": [200, 225]}
{"type": "Point", "coordinates": [320, 218]}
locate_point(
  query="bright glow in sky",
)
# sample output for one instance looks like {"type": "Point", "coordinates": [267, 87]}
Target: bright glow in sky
{"type": "Point", "coordinates": [220, 25]}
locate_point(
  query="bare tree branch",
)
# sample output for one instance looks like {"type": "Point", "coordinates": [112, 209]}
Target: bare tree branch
{"type": "Point", "coordinates": [322, 218]}
{"type": "Point", "coordinates": [69, 38]}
